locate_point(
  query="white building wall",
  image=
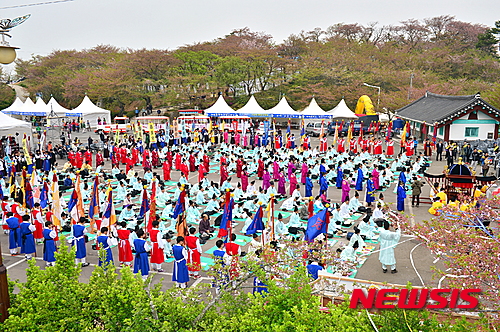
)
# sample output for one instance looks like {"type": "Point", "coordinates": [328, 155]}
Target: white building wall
{"type": "Point", "coordinates": [457, 131]}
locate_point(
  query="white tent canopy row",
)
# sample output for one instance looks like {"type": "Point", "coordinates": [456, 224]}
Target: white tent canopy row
{"type": "Point", "coordinates": [87, 110]}
{"type": "Point", "coordinates": [281, 110]}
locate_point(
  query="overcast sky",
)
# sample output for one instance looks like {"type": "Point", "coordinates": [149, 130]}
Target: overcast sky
{"type": "Point", "coordinates": [168, 24]}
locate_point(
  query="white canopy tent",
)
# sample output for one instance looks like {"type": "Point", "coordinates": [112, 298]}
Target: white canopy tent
{"type": "Point", "coordinates": [342, 111]}
{"type": "Point", "coordinates": [220, 108]}
{"type": "Point", "coordinates": [90, 112]}
{"type": "Point", "coordinates": [53, 105]}
{"type": "Point", "coordinates": [283, 110]}
{"type": "Point", "coordinates": [25, 109]}
{"type": "Point", "coordinates": [11, 126]}
{"type": "Point", "coordinates": [313, 111]}
{"type": "Point", "coordinates": [253, 109]}
{"type": "Point", "coordinates": [14, 106]}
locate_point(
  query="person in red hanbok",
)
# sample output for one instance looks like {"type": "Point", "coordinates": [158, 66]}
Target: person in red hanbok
{"type": "Point", "coordinates": [125, 256]}
{"type": "Point", "coordinates": [223, 174]}
{"type": "Point", "coordinates": [170, 158]}
{"type": "Point", "coordinates": [303, 172]}
{"type": "Point", "coordinates": [178, 161]}
{"type": "Point", "coordinates": [185, 169]}
{"type": "Point", "coordinates": [79, 160]}
{"type": "Point", "coordinates": [378, 147]}
{"type": "Point", "coordinates": [72, 158]}
{"type": "Point", "coordinates": [123, 155]}
{"type": "Point", "coordinates": [239, 165]}
{"type": "Point", "coordinates": [192, 166]}
{"type": "Point", "coordinates": [305, 143]}
{"type": "Point", "coordinates": [194, 253]}
{"type": "Point", "coordinates": [244, 179]}
{"type": "Point", "coordinates": [166, 171]}
{"type": "Point", "coordinates": [323, 144]}
{"type": "Point", "coordinates": [37, 219]}
{"type": "Point", "coordinates": [390, 148]}
{"type": "Point", "coordinates": [234, 251]}
{"type": "Point", "coordinates": [352, 146]}
{"type": "Point", "coordinates": [223, 159]}
{"type": "Point", "coordinates": [206, 163]}
{"type": "Point", "coordinates": [135, 155]}
{"type": "Point", "coordinates": [260, 168]}
{"type": "Point", "coordinates": [157, 256]}
{"type": "Point", "coordinates": [155, 159]}
{"type": "Point", "coordinates": [409, 148]}
{"type": "Point", "coordinates": [201, 172]}
{"type": "Point", "coordinates": [99, 159]}
{"type": "Point", "coordinates": [340, 145]}
{"type": "Point", "coordinates": [88, 157]}
{"type": "Point", "coordinates": [129, 162]}
{"type": "Point", "coordinates": [146, 164]}
{"type": "Point", "coordinates": [277, 142]}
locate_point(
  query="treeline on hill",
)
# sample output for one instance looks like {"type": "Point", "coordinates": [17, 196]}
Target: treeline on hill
{"type": "Point", "coordinates": [442, 55]}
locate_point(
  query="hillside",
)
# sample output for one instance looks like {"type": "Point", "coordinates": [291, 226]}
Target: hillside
{"type": "Point", "coordinates": [441, 55]}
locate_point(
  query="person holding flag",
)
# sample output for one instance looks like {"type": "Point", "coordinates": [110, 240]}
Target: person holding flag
{"type": "Point", "coordinates": [104, 241]}
{"type": "Point", "coordinates": [79, 240]}
{"type": "Point", "coordinates": [180, 274]}
{"type": "Point", "coordinates": [194, 253]}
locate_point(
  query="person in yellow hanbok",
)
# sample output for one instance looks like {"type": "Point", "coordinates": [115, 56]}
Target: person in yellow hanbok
{"type": "Point", "coordinates": [436, 207]}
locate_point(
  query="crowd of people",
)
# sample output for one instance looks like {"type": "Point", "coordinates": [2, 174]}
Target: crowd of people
{"type": "Point", "coordinates": [346, 178]}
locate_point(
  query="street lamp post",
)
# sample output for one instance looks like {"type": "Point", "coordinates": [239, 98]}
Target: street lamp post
{"type": "Point", "coordinates": [7, 55]}
{"type": "Point", "coordinates": [376, 87]}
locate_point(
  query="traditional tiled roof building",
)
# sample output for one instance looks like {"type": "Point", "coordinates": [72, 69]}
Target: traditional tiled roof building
{"type": "Point", "coordinates": [455, 117]}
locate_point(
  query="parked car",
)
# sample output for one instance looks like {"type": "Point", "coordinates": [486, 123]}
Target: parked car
{"type": "Point", "coordinates": [314, 129]}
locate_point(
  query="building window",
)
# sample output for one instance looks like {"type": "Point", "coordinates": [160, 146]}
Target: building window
{"type": "Point", "coordinates": [471, 132]}
{"type": "Point", "coordinates": [441, 131]}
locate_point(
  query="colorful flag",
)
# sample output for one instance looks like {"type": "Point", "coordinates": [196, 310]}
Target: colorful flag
{"type": "Point", "coordinates": [302, 131]}
{"type": "Point", "coordinates": [288, 132]}
{"type": "Point", "coordinates": [389, 132]}
{"type": "Point", "coordinates": [434, 133]}
{"type": "Point", "coordinates": [152, 133]}
{"type": "Point", "coordinates": [72, 206]}
{"type": "Point", "coordinates": [56, 202]}
{"type": "Point", "coordinates": [403, 134]}
{"type": "Point", "coordinates": [1, 193]}
{"type": "Point", "coordinates": [227, 218]}
{"type": "Point", "coordinates": [349, 135]}
{"type": "Point", "coordinates": [109, 216]}
{"type": "Point", "coordinates": [322, 131]}
{"type": "Point", "coordinates": [152, 208]}
{"type": "Point", "coordinates": [180, 206]}
{"type": "Point", "coordinates": [316, 225]}
{"type": "Point", "coordinates": [94, 199]}
{"type": "Point", "coordinates": [144, 204]}
{"type": "Point", "coordinates": [42, 140]}
{"type": "Point", "coordinates": [257, 223]}
{"type": "Point", "coordinates": [44, 195]}
{"type": "Point", "coordinates": [27, 155]}
{"type": "Point", "coordinates": [336, 135]}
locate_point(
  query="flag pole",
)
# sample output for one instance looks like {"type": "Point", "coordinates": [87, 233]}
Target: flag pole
{"type": "Point", "coordinates": [272, 219]}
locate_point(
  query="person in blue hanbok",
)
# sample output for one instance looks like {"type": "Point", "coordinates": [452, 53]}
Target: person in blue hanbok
{"type": "Point", "coordinates": [309, 185]}
{"type": "Point", "coordinates": [313, 268]}
{"type": "Point", "coordinates": [49, 246]}
{"type": "Point", "coordinates": [104, 242]}
{"type": "Point", "coordinates": [141, 247]}
{"type": "Point", "coordinates": [14, 233]}
{"type": "Point", "coordinates": [359, 179]}
{"type": "Point", "coordinates": [221, 258]}
{"type": "Point", "coordinates": [370, 191]}
{"type": "Point", "coordinates": [180, 273]}
{"type": "Point", "coordinates": [340, 177]}
{"type": "Point", "coordinates": [78, 232]}
{"type": "Point", "coordinates": [401, 196]}
{"type": "Point", "coordinates": [28, 247]}
{"type": "Point", "coordinates": [323, 185]}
